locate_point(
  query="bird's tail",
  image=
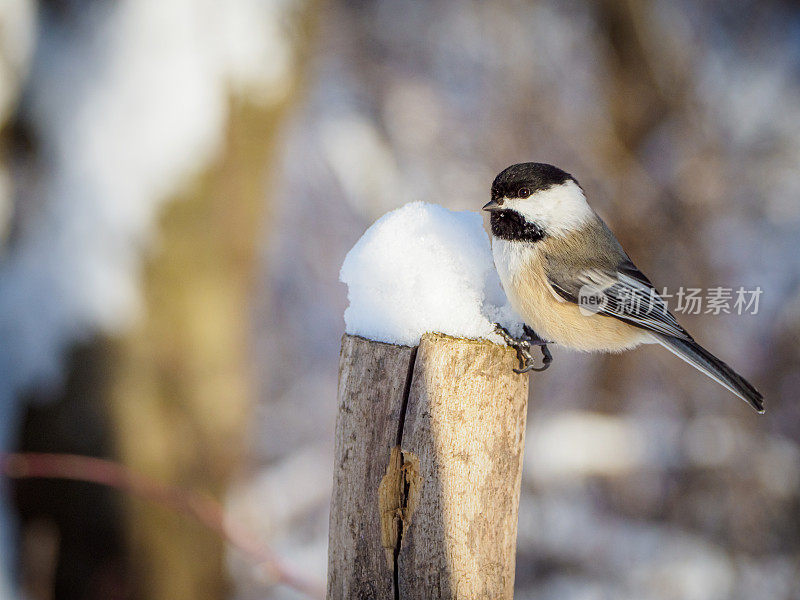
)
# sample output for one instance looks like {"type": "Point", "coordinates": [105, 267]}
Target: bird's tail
{"type": "Point", "coordinates": [701, 359]}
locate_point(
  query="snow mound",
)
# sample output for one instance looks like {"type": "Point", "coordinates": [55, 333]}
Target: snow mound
{"type": "Point", "coordinates": [424, 268]}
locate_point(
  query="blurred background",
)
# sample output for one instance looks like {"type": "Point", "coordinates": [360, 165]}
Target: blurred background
{"type": "Point", "coordinates": [180, 181]}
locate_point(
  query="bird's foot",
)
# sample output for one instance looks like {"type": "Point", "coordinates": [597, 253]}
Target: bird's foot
{"type": "Point", "coordinates": [523, 347]}
{"type": "Point", "coordinates": [533, 337]}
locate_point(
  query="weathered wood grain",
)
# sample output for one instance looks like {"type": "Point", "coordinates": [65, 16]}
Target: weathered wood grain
{"type": "Point", "coordinates": [429, 446]}
{"type": "Point", "coordinates": [373, 381]}
{"type": "Point", "coordinates": [465, 424]}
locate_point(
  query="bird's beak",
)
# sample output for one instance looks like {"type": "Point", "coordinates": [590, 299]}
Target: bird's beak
{"type": "Point", "coordinates": [492, 205]}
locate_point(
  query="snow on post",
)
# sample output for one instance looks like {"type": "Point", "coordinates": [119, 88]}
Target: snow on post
{"type": "Point", "coordinates": [424, 268]}
{"type": "Point", "coordinates": [431, 423]}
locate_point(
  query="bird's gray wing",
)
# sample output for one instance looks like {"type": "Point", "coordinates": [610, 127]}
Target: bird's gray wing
{"type": "Point", "coordinates": [620, 290]}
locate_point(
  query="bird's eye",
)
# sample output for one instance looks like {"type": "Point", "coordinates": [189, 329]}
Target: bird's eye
{"type": "Point", "coordinates": [523, 192]}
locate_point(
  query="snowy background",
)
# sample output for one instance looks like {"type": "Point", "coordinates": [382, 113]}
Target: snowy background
{"type": "Point", "coordinates": [642, 479]}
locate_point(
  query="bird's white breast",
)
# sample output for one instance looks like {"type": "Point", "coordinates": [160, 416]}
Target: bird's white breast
{"type": "Point", "coordinates": [510, 258]}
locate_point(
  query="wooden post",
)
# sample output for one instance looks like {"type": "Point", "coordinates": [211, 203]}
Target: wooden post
{"type": "Point", "coordinates": [429, 446]}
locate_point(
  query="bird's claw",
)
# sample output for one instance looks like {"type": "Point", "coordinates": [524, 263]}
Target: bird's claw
{"type": "Point", "coordinates": [547, 358]}
{"type": "Point", "coordinates": [523, 347]}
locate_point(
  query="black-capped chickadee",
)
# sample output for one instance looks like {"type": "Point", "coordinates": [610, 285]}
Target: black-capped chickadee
{"type": "Point", "coordinates": [568, 277]}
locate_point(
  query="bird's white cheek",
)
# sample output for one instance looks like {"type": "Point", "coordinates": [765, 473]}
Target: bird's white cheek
{"type": "Point", "coordinates": [535, 210]}
{"type": "Point", "coordinates": [557, 210]}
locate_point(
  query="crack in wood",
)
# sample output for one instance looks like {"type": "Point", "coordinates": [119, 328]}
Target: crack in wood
{"type": "Point", "coordinates": [406, 392]}
{"type": "Point", "coordinates": [403, 474]}
{"type": "Point", "coordinates": [402, 516]}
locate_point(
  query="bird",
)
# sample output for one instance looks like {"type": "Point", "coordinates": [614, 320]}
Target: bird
{"type": "Point", "coordinates": [568, 277]}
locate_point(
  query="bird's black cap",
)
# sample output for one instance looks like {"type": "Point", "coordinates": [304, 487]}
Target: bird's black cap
{"type": "Point", "coordinates": [533, 176]}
